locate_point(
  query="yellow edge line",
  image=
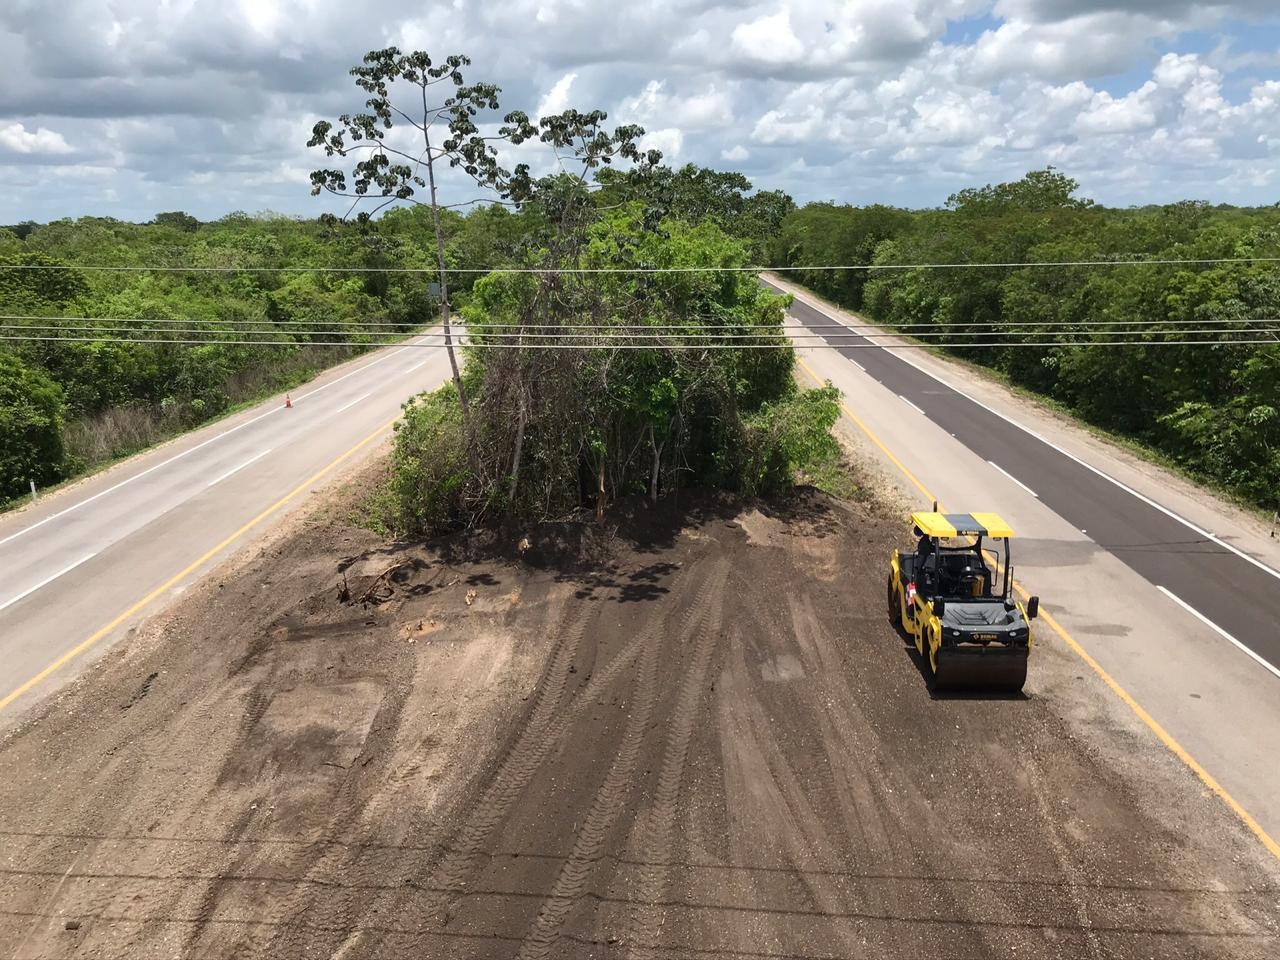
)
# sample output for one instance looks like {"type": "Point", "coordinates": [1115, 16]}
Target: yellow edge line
{"type": "Point", "coordinates": [70, 655]}
{"type": "Point", "coordinates": [1161, 733]}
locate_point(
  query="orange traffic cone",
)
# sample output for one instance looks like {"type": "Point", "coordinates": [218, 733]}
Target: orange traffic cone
{"type": "Point", "coordinates": [287, 401]}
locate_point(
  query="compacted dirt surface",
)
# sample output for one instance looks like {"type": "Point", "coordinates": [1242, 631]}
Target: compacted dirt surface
{"type": "Point", "coordinates": [691, 733]}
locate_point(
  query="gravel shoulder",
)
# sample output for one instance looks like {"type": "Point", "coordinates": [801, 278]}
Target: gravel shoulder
{"type": "Point", "coordinates": [691, 733]}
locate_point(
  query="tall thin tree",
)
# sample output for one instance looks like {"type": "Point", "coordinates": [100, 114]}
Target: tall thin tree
{"type": "Point", "coordinates": [401, 88]}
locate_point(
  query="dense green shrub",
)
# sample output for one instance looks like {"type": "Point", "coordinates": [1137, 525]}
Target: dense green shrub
{"type": "Point", "coordinates": [32, 416]}
{"type": "Point", "coordinates": [656, 397]}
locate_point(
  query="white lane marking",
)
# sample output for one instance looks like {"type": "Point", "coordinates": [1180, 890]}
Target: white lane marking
{"type": "Point", "coordinates": [1071, 456]}
{"type": "Point", "coordinates": [198, 446]}
{"type": "Point", "coordinates": [911, 405]}
{"type": "Point", "coordinates": [858, 365]}
{"type": "Point", "coordinates": [395, 353]}
{"type": "Point", "coordinates": [347, 406]}
{"type": "Point", "coordinates": [136, 476]}
{"type": "Point", "coordinates": [1014, 479]}
{"type": "Point", "coordinates": [420, 363]}
{"type": "Point", "coordinates": [255, 457]}
{"type": "Point", "coordinates": [43, 583]}
{"type": "Point", "coordinates": [1217, 629]}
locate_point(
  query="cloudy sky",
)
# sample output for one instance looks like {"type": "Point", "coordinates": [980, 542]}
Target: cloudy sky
{"type": "Point", "coordinates": [128, 107]}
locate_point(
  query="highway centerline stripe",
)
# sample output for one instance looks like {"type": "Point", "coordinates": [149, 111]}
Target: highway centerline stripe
{"type": "Point", "coordinates": [911, 405]}
{"type": "Point", "coordinates": [1217, 629]}
{"type": "Point", "coordinates": [1190, 525]}
{"type": "Point", "coordinates": [347, 406]}
{"type": "Point", "coordinates": [1139, 711]}
{"type": "Point", "coordinates": [44, 583]}
{"type": "Point", "coordinates": [192, 567]}
{"type": "Point", "coordinates": [234, 470]}
{"type": "Point", "coordinates": [1014, 479]}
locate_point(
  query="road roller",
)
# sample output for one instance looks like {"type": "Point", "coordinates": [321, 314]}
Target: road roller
{"type": "Point", "coordinates": [954, 597]}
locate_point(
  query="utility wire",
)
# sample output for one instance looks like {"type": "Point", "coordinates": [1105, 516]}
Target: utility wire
{"type": "Point", "coordinates": [870, 267]}
{"type": "Point", "coordinates": [779, 343]}
{"type": "Point", "coordinates": [485, 335]}
{"type": "Point", "coordinates": [957, 328]}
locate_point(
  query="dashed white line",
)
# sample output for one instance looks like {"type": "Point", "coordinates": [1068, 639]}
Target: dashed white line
{"type": "Point", "coordinates": [43, 583]}
{"type": "Point", "coordinates": [136, 476]}
{"type": "Point", "coordinates": [911, 405]}
{"type": "Point", "coordinates": [347, 406]}
{"type": "Point", "coordinates": [201, 445]}
{"type": "Point", "coordinates": [394, 353]}
{"type": "Point", "coordinates": [1014, 479]}
{"type": "Point", "coordinates": [1217, 629]}
{"type": "Point", "coordinates": [255, 457]}
{"type": "Point", "coordinates": [1070, 456]}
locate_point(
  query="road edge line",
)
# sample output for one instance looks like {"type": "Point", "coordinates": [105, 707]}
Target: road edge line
{"type": "Point", "coordinates": [1252, 654]}
{"type": "Point", "coordinates": [98, 634]}
{"type": "Point", "coordinates": [1014, 479]}
{"type": "Point", "coordinates": [1172, 745]}
{"type": "Point", "coordinates": [217, 436]}
{"type": "Point", "coordinates": [1133, 492]}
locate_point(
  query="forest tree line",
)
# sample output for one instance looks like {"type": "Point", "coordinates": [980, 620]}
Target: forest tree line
{"type": "Point", "coordinates": [67, 405]}
{"type": "Point", "coordinates": [83, 380]}
{"type": "Point", "coordinates": [1213, 409]}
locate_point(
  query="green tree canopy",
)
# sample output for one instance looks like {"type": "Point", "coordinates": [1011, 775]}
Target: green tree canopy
{"type": "Point", "coordinates": [31, 422]}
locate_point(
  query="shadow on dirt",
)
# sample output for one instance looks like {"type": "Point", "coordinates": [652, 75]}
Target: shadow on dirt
{"type": "Point", "coordinates": [579, 550]}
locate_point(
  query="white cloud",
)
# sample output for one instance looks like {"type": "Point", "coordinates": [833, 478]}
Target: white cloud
{"type": "Point", "coordinates": [557, 98]}
{"type": "Point", "coordinates": [689, 110]}
{"type": "Point", "coordinates": [1128, 114]}
{"type": "Point", "coordinates": [859, 100]}
{"type": "Point", "coordinates": [768, 39]}
{"type": "Point", "coordinates": [669, 140]}
{"type": "Point", "coordinates": [16, 137]}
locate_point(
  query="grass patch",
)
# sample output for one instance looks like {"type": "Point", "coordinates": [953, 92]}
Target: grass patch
{"type": "Point", "coordinates": [835, 475]}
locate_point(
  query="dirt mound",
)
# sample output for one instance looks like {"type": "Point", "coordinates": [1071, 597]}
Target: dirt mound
{"type": "Point", "coordinates": [687, 733]}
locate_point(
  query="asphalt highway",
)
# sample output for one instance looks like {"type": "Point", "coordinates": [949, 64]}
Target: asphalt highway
{"type": "Point", "coordinates": [1181, 607]}
{"type": "Point", "coordinates": [1229, 588]}
{"type": "Point", "coordinates": [80, 567]}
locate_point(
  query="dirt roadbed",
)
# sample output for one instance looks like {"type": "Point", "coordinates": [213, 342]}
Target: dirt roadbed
{"type": "Point", "coordinates": [706, 741]}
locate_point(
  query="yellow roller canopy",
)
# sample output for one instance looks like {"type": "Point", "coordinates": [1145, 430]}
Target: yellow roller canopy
{"type": "Point", "coordinates": [961, 525]}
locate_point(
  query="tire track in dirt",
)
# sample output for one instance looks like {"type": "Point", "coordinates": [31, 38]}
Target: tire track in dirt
{"type": "Point", "coordinates": [659, 824]}
{"type": "Point", "coordinates": [609, 802]}
{"type": "Point", "coordinates": [341, 875]}
{"type": "Point", "coordinates": [546, 727]}
{"type": "Point", "coordinates": [611, 798]}
{"type": "Point", "coordinates": [214, 888]}
{"type": "Point", "coordinates": [1062, 854]}
{"type": "Point", "coordinates": [866, 787]}
{"type": "Point", "coordinates": [511, 775]}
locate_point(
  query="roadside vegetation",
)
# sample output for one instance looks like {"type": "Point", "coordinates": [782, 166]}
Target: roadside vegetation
{"type": "Point", "coordinates": [76, 393]}
{"type": "Point", "coordinates": [587, 377]}
{"type": "Point", "coordinates": [1212, 409]}
{"type": "Point", "coordinates": [577, 388]}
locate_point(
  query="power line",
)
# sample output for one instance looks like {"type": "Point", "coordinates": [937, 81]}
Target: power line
{"type": "Point", "coordinates": [605, 334]}
{"type": "Point", "coordinates": [950, 328]}
{"type": "Point", "coordinates": [780, 343]}
{"type": "Point", "coordinates": [399, 327]}
{"type": "Point", "coordinates": [869, 267]}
